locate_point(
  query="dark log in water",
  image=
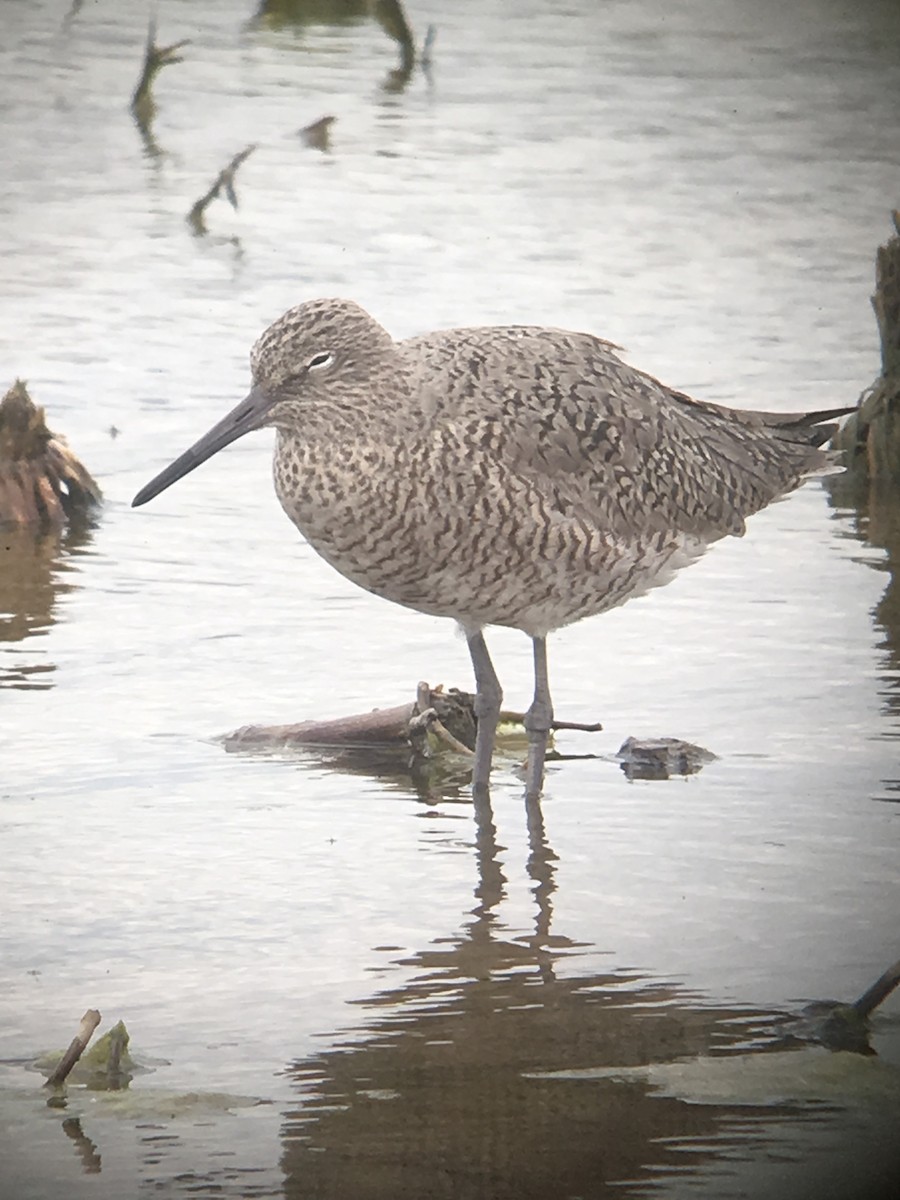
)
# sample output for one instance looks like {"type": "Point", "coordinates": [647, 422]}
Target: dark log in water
{"type": "Point", "coordinates": [871, 438]}
{"type": "Point", "coordinates": [42, 484]}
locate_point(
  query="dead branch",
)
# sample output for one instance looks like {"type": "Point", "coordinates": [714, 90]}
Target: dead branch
{"type": "Point", "coordinates": [89, 1023]}
{"type": "Point", "coordinates": [224, 181]}
{"type": "Point", "coordinates": [156, 57]}
{"type": "Point", "coordinates": [385, 726]}
{"type": "Point", "coordinates": [878, 992]}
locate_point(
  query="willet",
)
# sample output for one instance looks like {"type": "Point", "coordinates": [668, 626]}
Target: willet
{"type": "Point", "coordinates": [510, 475]}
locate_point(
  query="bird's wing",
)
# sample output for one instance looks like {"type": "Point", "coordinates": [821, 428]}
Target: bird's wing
{"type": "Point", "coordinates": [599, 438]}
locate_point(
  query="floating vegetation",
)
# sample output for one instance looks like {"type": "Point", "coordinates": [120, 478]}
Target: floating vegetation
{"type": "Point", "coordinates": [42, 483]}
{"type": "Point", "coordinates": [224, 182]}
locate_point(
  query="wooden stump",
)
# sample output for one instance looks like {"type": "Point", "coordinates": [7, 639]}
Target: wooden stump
{"type": "Point", "coordinates": [871, 438]}
{"type": "Point", "coordinates": [42, 484]}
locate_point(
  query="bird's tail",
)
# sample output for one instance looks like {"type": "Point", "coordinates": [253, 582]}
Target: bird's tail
{"type": "Point", "coordinates": [809, 428]}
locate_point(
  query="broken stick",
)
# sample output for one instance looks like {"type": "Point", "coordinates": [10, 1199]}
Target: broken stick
{"type": "Point", "coordinates": [77, 1047]}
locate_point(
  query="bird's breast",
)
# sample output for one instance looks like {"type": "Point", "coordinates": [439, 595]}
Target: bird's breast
{"type": "Point", "coordinates": [444, 531]}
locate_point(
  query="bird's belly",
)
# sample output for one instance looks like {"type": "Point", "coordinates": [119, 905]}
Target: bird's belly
{"type": "Point", "coordinates": [483, 568]}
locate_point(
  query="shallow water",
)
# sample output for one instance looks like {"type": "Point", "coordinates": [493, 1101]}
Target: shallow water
{"type": "Point", "coordinates": [343, 987]}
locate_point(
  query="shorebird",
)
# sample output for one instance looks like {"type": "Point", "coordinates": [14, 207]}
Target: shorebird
{"type": "Point", "coordinates": [505, 475]}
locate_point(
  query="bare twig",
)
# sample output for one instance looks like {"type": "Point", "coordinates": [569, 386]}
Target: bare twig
{"type": "Point", "coordinates": [155, 58]}
{"type": "Point", "coordinates": [429, 720]}
{"type": "Point", "coordinates": [89, 1023]}
{"type": "Point", "coordinates": [517, 718]}
{"type": "Point", "coordinates": [224, 182]}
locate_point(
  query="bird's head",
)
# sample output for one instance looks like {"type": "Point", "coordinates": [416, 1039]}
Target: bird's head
{"type": "Point", "coordinates": [315, 362]}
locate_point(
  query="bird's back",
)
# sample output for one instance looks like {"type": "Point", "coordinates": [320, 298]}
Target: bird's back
{"type": "Point", "coordinates": [609, 441]}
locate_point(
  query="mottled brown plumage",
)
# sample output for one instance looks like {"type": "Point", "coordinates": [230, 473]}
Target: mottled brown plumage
{"type": "Point", "coordinates": [510, 475]}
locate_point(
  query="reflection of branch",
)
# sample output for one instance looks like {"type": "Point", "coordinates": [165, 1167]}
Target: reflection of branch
{"type": "Point", "coordinates": [87, 1149]}
{"type": "Point", "coordinates": [541, 858]}
{"type": "Point", "coordinates": [490, 890]}
{"type": "Point", "coordinates": [73, 12]}
{"type": "Point", "coordinates": [155, 58]}
{"type": "Point", "coordinates": [224, 182]}
{"type": "Point", "coordinates": [390, 16]}
{"type": "Point", "coordinates": [89, 1023]}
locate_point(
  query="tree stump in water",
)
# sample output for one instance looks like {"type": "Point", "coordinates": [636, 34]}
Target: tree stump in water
{"type": "Point", "coordinates": [871, 437]}
{"type": "Point", "coordinates": [42, 483]}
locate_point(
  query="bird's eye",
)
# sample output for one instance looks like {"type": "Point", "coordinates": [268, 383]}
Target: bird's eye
{"type": "Point", "coordinates": [318, 361]}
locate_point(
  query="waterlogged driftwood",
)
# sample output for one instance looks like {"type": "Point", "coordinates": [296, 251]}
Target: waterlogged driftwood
{"type": "Point", "coordinates": [437, 719]}
{"type": "Point", "coordinates": [224, 182]}
{"type": "Point", "coordinates": [382, 727]}
{"type": "Point", "coordinates": [89, 1023]}
{"type": "Point", "coordinates": [871, 438]}
{"type": "Point", "coordinates": [42, 484]}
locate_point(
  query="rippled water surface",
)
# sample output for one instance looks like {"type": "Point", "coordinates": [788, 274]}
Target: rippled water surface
{"type": "Point", "coordinates": [339, 986]}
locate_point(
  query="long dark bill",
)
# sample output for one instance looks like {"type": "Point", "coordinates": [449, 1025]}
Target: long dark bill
{"type": "Point", "coordinates": [250, 414]}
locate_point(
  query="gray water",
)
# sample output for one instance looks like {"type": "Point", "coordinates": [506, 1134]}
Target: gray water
{"type": "Point", "coordinates": [340, 986]}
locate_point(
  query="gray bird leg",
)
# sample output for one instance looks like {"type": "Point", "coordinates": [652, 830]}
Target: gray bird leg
{"type": "Point", "coordinates": [538, 720]}
{"type": "Point", "coordinates": [488, 697]}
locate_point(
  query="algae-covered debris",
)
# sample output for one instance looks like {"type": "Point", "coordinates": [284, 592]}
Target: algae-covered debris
{"type": "Point", "coordinates": [42, 483]}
